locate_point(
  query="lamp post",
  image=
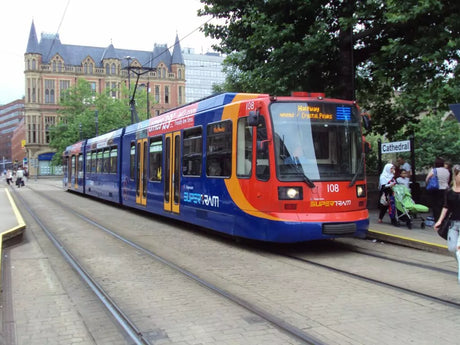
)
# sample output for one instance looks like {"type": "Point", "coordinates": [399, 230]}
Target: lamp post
{"type": "Point", "coordinates": [96, 114]}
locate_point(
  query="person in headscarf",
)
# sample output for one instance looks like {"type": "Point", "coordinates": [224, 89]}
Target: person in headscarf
{"type": "Point", "coordinates": [386, 199]}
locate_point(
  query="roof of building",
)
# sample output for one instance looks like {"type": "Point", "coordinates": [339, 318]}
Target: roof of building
{"type": "Point", "coordinates": [50, 45]}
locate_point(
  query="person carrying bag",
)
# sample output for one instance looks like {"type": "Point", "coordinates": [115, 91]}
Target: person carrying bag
{"type": "Point", "coordinates": [452, 205]}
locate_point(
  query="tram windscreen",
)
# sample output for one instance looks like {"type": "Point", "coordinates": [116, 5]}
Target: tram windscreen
{"type": "Point", "coordinates": [317, 141]}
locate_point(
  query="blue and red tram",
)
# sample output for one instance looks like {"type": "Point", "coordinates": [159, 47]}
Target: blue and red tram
{"type": "Point", "coordinates": [277, 169]}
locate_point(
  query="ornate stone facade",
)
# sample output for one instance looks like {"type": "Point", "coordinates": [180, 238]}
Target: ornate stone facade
{"type": "Point", "coordinates": [52, 67]}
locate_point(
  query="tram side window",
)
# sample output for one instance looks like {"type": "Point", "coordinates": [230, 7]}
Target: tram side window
{"type": "Point", "coordinates": [193, 152]}
{"type": "Point", "coordinates": [155, 159]}
{"type": "Point", "coordinates": [88, 162]}
{"type": "Point", "coordinates": [99, 161]}
{"type": "Point", "coordinates": [219, 149]}
{"type": "Point", "coordinates": [244, 148]}
{"type": "Point", "coordinates": [93, 161]}
{"type": "Point", "coordinates": [132, 160]}
{"type": "Point", "coordinates": [113, 160]}
{"type": "Point", "coordinates": [80, 166]}
{"type": "Point", "coordinates": [106, 161]}
{"type": "Point", "coordinates": [262, 162]}
{"type": "Point", "coordinates": [73, 164]}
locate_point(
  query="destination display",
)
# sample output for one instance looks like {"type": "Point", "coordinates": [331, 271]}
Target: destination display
{"type": "Point", "coordinates": [316, 111]}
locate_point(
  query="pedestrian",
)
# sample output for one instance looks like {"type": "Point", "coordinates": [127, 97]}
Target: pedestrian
{"type": "Point", "coordinates": [20, 177]}
{"type": "Point", "coordinates": [437, 196]}
{"type": "Point", "coordinates": [403, 178]}
{"type": "Point", "coordinates": [448, 166]}
{"type": "Point", "coordinates": [403, 165]}
{"type": "Point", "coordinates": [386, 198]}
{"type": "Point", "coordinates": [452, 204]}
{"type": "Point", "coordinates": [9, 176]}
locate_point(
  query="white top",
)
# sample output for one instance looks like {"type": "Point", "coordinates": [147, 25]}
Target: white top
{"type": "Point", "coordinates": [20, 173]}
{"type": "Point", "coordinates": [443, 177]}
{"type": "Point", "coordinates": [404, 181]}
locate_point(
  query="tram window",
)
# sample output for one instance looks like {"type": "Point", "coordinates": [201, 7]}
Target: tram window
{"type": "Point", "coordinates": [219, 149]}
{"type": "Point", "coordinates": [132, 160]}
{"type": "Point", "coordinates": [244, 148]}
{"type": "Point", "coordinates": [192, 152]}
{"type": "Point", "coordinates": [113, 160]}
{"type": "Point", "coordinates": [155, 159]}
{"type": "Point", "coordinates": [93, 162]}
{"type": "Point", "coordinates": [99, 161]}
{"type": "Point", "coordinates": [262, 161]}
{"type": "Point", "coordinates": [88, 162]}
{"type": "Point", "coordinates": [73, 163]}
{"type": "Point", "coordinates": [106, 161]}
{"type": "Point", "coordinates": [80, 166]}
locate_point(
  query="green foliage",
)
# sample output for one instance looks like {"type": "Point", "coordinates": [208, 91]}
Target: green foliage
{"type": "Point", "coordinates": [433, 138]}
{"type": "Point", "coordinates": [78, 115]}
{"type": "Point", "coordinates": [399, 57]}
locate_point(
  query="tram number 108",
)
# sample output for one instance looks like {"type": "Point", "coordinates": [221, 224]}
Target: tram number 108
{"type": "Point", "coordinates": [332, 188]}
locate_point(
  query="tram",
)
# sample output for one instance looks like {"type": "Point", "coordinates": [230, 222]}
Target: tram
{"type": "Point", "coordinates": [277, 169]}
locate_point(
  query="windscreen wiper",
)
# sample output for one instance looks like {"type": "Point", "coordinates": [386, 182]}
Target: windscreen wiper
{"type": "Point", "coordinates": [299, 170]}
{"type": "Point", "coordinates": [360, 166]}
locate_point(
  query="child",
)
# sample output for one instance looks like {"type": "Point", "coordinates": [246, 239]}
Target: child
{"type": "Point", "coordinates": [403, 178]}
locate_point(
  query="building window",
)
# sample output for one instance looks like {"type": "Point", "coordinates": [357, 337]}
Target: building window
{"type": "Point", "coordinates": [107, 69]}
{"type": "Point", "coordinates": [34, 64]}
{"type": "Point", "coordinates": [50, 121]}
{"type": "Point", "coordinates": [33, 129]}
{"type": "Point", "coordinates": [93, 87]}
{"type": "Point", "coordinates": [63, 86]}
{"type": "Point", "coordinates": [166, 94]}
{"type": "Point", "coordinates": [114, 90]}
{"type": "Point", "coordinates": [157, 94]}
{"type": "Point", "coordinates": [49, 91]}
{"type": "Point", "coordinates": [181, 95]}
{"type": "Point", "coordinates": [113, 69]}
{"type": "Point", "coordinates": [54, 66]}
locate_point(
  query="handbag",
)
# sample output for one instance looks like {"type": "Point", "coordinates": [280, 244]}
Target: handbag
{"type": "Point", "coordinates": [384, 200]}
{"type": "Point", "coordinates": [433, 183]}
{"type": "Point", "coordinates": [445, 225]}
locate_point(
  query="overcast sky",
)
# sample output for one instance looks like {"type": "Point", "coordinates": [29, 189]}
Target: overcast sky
{"type": "Point", "coordinates": [134, 24]}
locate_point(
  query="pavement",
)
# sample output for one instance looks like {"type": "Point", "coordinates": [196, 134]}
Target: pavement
{"type": "Point", "coordinates": [12, 227]}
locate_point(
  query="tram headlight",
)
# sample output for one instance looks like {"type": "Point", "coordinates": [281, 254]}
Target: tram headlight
{"type": "Point", "coordinates": [290, 193]}
{"type": "Point", "coordinates": [361, 190]}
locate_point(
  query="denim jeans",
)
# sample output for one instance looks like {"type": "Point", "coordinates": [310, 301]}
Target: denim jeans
{"type": "Point", "coordinates": [453, 241]}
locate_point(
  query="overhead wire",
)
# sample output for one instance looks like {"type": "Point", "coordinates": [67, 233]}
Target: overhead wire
{"type": "Point", "coordinates": [57, 31]}
{"type": "Point", "coordinates": [180, 40]}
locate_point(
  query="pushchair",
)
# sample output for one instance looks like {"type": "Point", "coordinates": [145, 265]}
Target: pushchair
{"type": "Point", "coordinates": [406, 208]}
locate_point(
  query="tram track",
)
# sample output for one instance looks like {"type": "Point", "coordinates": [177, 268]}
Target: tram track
{"type": "Point", "coordinates": [307, 289]}
{"type": "Point", "coordinates": [381, 282]}
{"type": "Point", "coordinates": [119, 315]}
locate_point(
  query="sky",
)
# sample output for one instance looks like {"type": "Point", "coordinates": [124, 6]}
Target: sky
{"type": "Point", "coordinates": [134, 24]}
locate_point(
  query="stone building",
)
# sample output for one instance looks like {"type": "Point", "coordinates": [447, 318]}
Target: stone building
{"type": "Point", "coordinates": [52, 67]}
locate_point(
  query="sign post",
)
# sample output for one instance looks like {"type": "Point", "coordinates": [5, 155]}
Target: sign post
{"type": "Point", "coordinates": [401, 146]}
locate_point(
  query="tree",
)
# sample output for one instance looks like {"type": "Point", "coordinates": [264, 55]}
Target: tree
{"type": "Point", "coordinates": [400, 58]}
{"type": "Point", "coordinates": [77, 113]}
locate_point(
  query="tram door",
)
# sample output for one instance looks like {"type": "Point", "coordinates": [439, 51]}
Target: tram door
{"type": "Point", "coordinates": [172, 172]}
{"type": "Point", "coordinates": [141, 171]}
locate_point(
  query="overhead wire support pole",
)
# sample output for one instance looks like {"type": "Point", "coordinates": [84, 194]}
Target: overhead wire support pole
{"type": "Point", "coordinates": [132, 102]}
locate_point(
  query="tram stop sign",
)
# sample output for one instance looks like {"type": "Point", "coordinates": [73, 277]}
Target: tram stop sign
{"type": "Point", "coordinates": [456, 110]}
